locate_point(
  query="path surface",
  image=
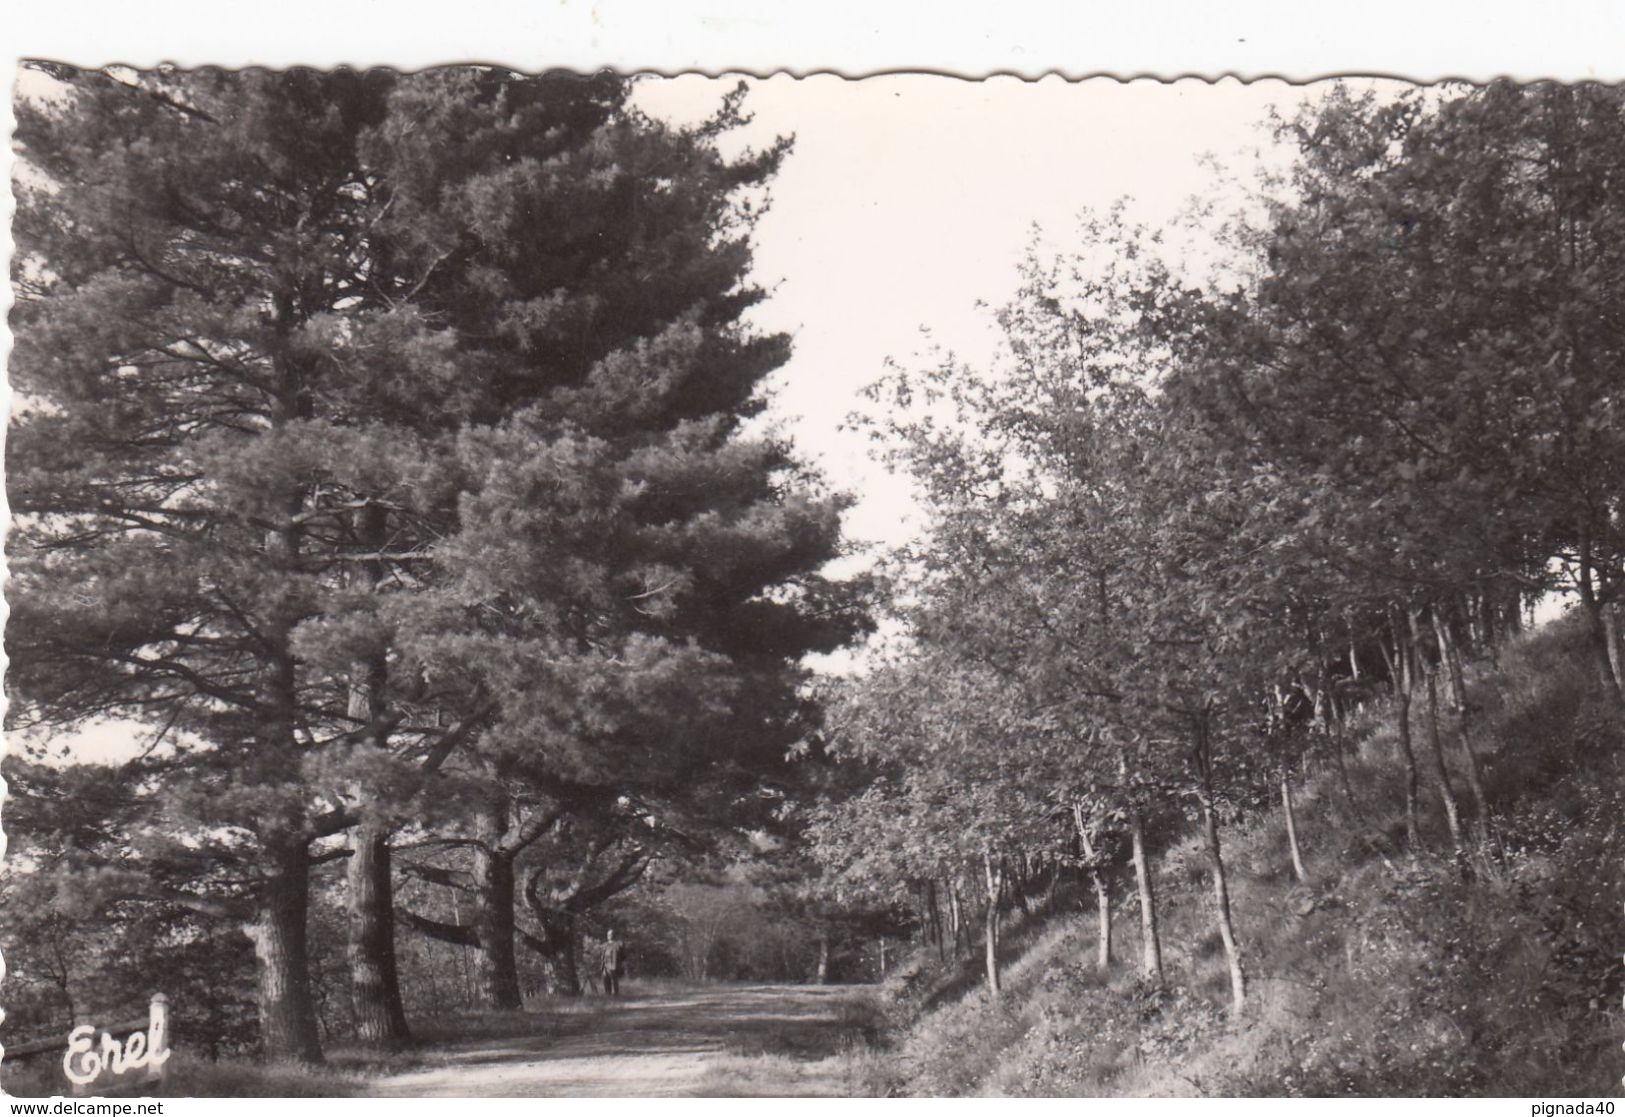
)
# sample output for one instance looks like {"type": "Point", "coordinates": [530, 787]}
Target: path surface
{"type": "Point", "coordinates": [660, 1045]}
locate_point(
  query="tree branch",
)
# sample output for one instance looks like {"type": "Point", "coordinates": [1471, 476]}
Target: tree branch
{"type": "Point", "coordinates": [454, 933]}
{"type": "Point", "coordinates": [435, 874]}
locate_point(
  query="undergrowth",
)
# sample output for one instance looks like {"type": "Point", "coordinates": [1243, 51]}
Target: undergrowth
{"type": "Point", "coordinates": [1389, 973]}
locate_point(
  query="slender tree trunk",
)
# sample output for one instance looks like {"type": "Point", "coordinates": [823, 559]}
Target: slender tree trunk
{"type": "Point", "coordinates": [1614, 643]}
{"type": "Point", "coordinates": [1103, 902]}
{"type": "Point", "coordinates": [1232, 951]}
{"type": "Point", "coordinates": [939, 918]}
{"type": "Point", "coordinates": [460, 955]}
{"type": "Point", "coordinates": [288, 1028]}
{"type": "Point", "coordinates": [823, 958]}
{"type": "Point", "coordinates": [1399, 671]}
{"type": "Point", "coordinates": [1292, 830]}
{"type": "Point", "coordinates": [1447, 793]}
{"type": "Point", "coordinates": [431, 973]}
{"type": "Point", "coordinates": [1458, 685]}
{"type": "Point", "coordinates": [375, 990]}
{"type": "Point", "coordinates": [1512, 613]}
{"type": "Point", "coordinates": [1441, 774]}
{"type": "Point", "coordinates": [1221, 884]}
{"type": "Point", "coordinates": [1103, 918]}
{"type": "Point", "coordinates": [995, 882]}
{"type": "Point", "coordinates": [1596, 628]}
{"type": "Point", "coordinates": [497, 970]}
{"type": "Point", "coordinates": [1402, 720]}
{"type": "Point", "coordinates": [933, 911]}
{"type": "Point", "coordinates": [1489, 635]}
{"type": "Point", "coordinates": [1332, 719]}
{"type": "Point", "coordinates": [1340, 758]}
{"type": "Point", "coordinates": [1021, 885]}
{"type": "Point", "coordinates": [956, 913]}
{"type": "Point", "coordinates": [1221, 898]}
{"type": "Point", "coordinates": [1150, 941]}
{"type": "Point", "coordinates": [1442, 635]}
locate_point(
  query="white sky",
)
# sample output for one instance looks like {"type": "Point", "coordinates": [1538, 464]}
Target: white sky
{"type": "Point", "coordinates": [908, 198]}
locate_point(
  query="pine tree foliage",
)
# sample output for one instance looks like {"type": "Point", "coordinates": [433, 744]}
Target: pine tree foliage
{"type": "Point", "coordinates": [376, 419]}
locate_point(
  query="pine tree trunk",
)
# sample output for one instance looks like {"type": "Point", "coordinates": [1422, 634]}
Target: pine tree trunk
{"type": "Point", "coordinates": [570, 959]}
{"type": "Point", "coordinates": [289, 1030]}
{"type": "Point", "coordinates": [560, 973]}
{"type": "Point", "coordinates": [288, 1027]}
{"type": "Point", "coordinates": [1150, 942]}
{"type": "Point", "coordinates": [1292, 831]}
{"type": "Point", "coordinates": [375, 990]}
{"type": "Point", "coordinates": [496, 969]}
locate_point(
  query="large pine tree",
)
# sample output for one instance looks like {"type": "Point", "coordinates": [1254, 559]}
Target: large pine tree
{"type": "Point", "coordinates": [373, 421]}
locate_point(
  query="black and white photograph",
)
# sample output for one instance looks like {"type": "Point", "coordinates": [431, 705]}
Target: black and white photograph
{"type": "Point", "coordinates": [563, 581]}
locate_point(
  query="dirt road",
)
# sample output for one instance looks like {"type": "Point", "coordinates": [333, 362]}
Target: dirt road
{"type": "Point", "coordinates": [760, 1039]}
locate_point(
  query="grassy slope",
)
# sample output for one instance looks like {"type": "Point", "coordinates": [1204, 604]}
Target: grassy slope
{"type": "Point", "coordinates": [1387, 975]}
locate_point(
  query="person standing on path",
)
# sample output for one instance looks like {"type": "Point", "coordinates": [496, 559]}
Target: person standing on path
{"type": "Point", "coordinates": [611, 962]}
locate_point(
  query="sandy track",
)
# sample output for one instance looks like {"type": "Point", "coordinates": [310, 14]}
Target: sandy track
{"type": "Point", "coordinates": [649, 1046]}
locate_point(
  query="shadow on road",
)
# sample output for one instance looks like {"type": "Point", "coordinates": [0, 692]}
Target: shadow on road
{"type": "Point", "coordinates": [657, 1044]}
